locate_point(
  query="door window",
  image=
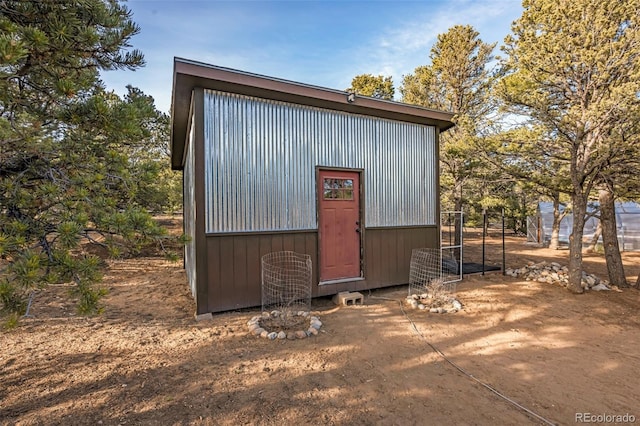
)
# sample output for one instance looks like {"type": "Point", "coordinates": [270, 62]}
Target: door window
{"type": "Point", "coordinates": [338, 189]}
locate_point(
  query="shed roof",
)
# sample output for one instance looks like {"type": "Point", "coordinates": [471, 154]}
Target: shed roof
{"type": "Point", "coordinates": [188, 75]}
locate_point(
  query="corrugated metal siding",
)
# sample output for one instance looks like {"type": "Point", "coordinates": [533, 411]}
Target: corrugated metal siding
{"type": "Point", "coordinates": [190, 212]}
{"type": "Point", "coordinates": [261, 157]}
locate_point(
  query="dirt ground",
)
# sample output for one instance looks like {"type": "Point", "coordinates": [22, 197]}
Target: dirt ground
{"type": "Point", "coordinates": [518, 353]}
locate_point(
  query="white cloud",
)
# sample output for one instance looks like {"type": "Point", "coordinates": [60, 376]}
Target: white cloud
{"type": "Point", "coordinates": [255, 37]}
{"type": "Point", "coordinates": [398, 50]}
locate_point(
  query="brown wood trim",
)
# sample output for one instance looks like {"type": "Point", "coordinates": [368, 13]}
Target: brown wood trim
{"type": "Point", "coordinates": [382, 228]}
{"type": "Point", "coordinates": [249, 233]}
{"type": "Point", "coordinates": [338, 169]}
{"type": "Point", "coordinates": [438, 191]}
{"type": "Point", "coordinates": [202, 289]}
{"type": "Point", "coordinates": [361, 204]}
{"type": "Point", "coordinates": [363, 228]}
{"type": "Point", "coordinates": [188, 75]}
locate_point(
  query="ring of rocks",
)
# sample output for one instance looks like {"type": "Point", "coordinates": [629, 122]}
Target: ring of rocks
{"type": "Point", "coordinates": [436, 306]}
{"type": "Point", "coordinates": [257, 327]}
{"type": "Point", "coordinates": [554, 273]}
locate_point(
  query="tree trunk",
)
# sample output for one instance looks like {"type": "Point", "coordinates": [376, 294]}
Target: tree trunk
{"type": "Point", "coordinates": [610, 238]}
{"type": "Point", "coordinates": [554, 243]}
{"type": "Point", "coordinates": [637, 285]}
{"type": "Point", "coordinates": [596, 237]}
{"type": "Point", "coordinates": [579, 203]}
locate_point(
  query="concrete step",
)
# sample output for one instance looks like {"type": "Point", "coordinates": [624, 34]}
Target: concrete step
{"type": "Point", "coordinates": [346, 298]}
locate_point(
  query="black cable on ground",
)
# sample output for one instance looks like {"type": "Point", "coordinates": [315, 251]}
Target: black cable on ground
{"type": "Point", "coordinates": [462, 370]}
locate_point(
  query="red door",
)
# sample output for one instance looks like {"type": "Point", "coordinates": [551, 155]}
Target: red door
{"type": "Point", "coordinates": [339, 224]}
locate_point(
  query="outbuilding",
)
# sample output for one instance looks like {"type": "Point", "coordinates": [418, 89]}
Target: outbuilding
{"type": "Point", "coordinates": [272, 165]}
{"type": "Point", "coordinates": [540, 227]}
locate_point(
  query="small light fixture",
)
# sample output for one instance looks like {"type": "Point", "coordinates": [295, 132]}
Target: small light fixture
{"type": "Point", "coordinates": [351, 97]}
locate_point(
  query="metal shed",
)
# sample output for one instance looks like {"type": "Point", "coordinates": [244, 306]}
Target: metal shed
{"type": "Point", "coordinates": [272, 165]}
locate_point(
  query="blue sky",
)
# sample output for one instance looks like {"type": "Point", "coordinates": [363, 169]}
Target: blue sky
{"type": "Point", "coordinates": [323, 43]}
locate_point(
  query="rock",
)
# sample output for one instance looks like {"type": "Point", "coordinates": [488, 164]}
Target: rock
{"type": "Point", "coordinates": [282, 335]}
{"type": "Point", "coordinates": [258, 331]}
{"type": "Point", "coordinates": [291, 335]}
{"type": "Point", "coordinates": [264, 334]}
{"type": "Point", "coordinates": [316, 324]}
{"type": "Point", "coordinates": [272, 336]}
{"type": "Point", "coordinates": [442, 310]}
{"type": "Point", "coordinates": [552, 273]}
{"type": "Point", "coordinates": [312, 331]}
{"type": "Point", "coordinates": [421, 306]}
{"type": "Point", "coordinates": [456, 305]}
{"type": "Point", "coordinates": [414, 304]}
{"type": "Point", "coordinates": [275, 314]}
{"type": "Point", "coordinates": [600, 287]}
{"type": "Point", "coordinates": [266, 315]}
{"type": "Point", "coordinates": [254, 326]}
{"type": "Point", "coordinates": [433, 310]}
{"type": "Point", "coordinates": [415, 297]}
{"type": "Point", "coordinates": [301, 334]}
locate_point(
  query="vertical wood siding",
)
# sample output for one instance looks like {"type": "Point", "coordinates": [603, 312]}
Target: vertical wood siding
{"type": "Point", "coordinates": [233, 266]}
{"type": "Point", "coordinates": [260, 159]}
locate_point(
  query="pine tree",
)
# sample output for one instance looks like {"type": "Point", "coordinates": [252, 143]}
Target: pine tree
{"type": "Point", "coordinates": [457, 80]}
{"type": "Point", "coordinates": [66, 175]}
{"type": "Point", "coordinates": [574, 69]}
{"type": "Point", "coordinates": [374, 86]}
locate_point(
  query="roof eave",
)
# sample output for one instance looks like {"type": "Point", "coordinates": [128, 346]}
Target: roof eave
{"type": "Point", "coordinates": [188, 75]}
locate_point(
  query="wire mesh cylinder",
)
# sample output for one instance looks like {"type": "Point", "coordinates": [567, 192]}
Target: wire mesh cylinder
{"type": "Point", "coordinates": [286, 283]}
{"type": "Point", "coordinates": [428, 268]}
